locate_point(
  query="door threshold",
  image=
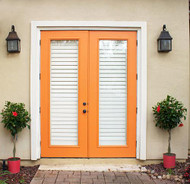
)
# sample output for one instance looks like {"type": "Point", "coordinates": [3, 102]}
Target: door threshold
{"type": "Point", "coordinates": [93, 167]}
{"type": "Point", "coordinates": [95, 161]}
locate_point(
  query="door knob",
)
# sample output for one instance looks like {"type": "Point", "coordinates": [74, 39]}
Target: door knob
{"type": "Point", "coordinates": [84, 103]}
{"type": "Point", "coordinates": [84, 111]}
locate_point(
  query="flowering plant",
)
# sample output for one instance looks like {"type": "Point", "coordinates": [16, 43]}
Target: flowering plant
{"type": "Point", "coordinates": [187, 174]}
{"type": "Point", "coordinates": [168, 114]}
{"type": "Point", "coordinates": [15, 118]}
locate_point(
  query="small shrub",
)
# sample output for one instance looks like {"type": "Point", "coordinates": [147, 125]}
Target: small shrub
{"type": "Point", "coordinates": [15, 118]}
{"type": "Point", "coordinates": [168, 114]}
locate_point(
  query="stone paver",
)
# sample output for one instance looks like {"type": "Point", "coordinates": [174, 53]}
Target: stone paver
{"type": "Point", "coordinates": [86, 177]}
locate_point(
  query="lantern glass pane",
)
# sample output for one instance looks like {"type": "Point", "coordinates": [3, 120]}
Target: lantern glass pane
{"type": "Point", "coordinates": [165, 45]}
{"type": "Point", "coordinates": [12, 45]}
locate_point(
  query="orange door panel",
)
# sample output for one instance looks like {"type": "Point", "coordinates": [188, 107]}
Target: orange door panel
{"type": "Point", "coordinates": [65, 60]}
{"type": "Point", "coordinates": [102, 58]}
{"type": "Point", "coordinates": [108, 66]}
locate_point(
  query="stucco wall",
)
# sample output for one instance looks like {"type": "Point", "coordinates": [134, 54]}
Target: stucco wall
{"type": "Point", "coordinates": [167, 73]}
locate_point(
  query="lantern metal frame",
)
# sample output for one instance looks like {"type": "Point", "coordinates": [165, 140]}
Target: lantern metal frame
{"type": "Point", "coordinates": [13, 39]}
{"type": "Point", "coordinates": [164, 41]}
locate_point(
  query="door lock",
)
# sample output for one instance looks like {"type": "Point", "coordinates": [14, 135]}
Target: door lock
{"type": "Point", "coordinates": [84, 103]}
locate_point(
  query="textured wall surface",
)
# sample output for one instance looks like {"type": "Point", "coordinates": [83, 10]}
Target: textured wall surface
{"type": "Point", "coordinates": [167, 73]}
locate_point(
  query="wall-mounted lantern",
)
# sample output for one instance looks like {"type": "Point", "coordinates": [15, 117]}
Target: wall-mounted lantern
{"type": "Point", "coordinates": [164, 41]}
{"type": "Point", "coordinates": [13, 41]}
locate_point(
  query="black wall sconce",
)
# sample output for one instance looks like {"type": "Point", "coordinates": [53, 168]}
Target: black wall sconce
{"type": "Point", "coordinates": [164, 41]}
{"type": "Point", "coordinates": [13, 41]}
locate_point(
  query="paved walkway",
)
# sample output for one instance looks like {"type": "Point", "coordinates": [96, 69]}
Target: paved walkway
{"type": "Point", "coordinates": [86, 177]}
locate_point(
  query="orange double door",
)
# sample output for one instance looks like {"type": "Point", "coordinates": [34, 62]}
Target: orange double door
{"type": "Point", "coordinates": [88, 93]}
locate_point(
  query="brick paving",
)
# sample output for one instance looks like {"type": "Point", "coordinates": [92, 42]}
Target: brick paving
{"type": "Point", "coordinates": [85, 177]}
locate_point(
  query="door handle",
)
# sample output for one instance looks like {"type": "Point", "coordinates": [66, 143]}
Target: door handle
{"type": "Point", "coordinates": [84, 111]}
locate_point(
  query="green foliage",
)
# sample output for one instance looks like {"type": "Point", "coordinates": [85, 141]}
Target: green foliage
{"type": "Point", "coordinates": [170, 114]}
{"type": "Point", "coordinates": [2, 173]}
{"type": "Point", "coordinates": [21, 181]}
{"type": "Point", "coordinates": [3, 181]}
{"type": "Point", "coordinates": [15, 117]}
{"type": "Point", "coordinates": [170, 171]}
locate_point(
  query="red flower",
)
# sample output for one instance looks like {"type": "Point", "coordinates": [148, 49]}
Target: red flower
{"type": "Point", "coordinates": [181, 125]}
{"type": "Point", "coordinates": [15, 114]}
{"type": "Point", "coordinates": [158, 108]}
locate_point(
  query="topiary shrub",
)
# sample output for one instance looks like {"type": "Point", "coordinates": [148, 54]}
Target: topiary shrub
{"type": "Point", "coordinates": [15, 118]}
{"type": "Point", "coordinates": [168, 114]}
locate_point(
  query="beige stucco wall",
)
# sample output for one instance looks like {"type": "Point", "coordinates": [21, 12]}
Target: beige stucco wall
{"type": "Point", "coordinates": [167, 73]}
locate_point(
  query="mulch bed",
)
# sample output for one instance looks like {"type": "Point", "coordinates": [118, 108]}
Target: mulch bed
{"type": "Point", "coordinates": [175, 174]}
{"type": "Point", "coordinates": [24, 177]}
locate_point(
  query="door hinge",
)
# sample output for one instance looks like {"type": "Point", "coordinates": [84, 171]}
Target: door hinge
{"type": "Point", "coordinates": [137, 42]}
{"type": "Point", "coordinates": [39, 109]}
{"type": "Point", "coordinates": [136, 76]}
{"type": "Point", "coordinates": [40, 42]}
{"type": "Point", "coordinates": [40, 76]}
{"type": "Point", "coordinates": [136, 109]}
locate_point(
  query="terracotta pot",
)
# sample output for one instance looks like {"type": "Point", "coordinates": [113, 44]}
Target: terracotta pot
{"type": "Point", "coordinates": [14, 164]}
{"type": "Point", "coordinates": [169, 160]}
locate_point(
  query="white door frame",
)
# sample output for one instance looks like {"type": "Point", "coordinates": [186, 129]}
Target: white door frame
{"type": "Point", "coordinates": [140, 27]}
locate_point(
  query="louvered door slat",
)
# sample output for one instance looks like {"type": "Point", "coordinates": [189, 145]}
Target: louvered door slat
{"type": "Point", "coordinates": [64, 92]}
{"type": "Point", "coordinates": [112, 92]}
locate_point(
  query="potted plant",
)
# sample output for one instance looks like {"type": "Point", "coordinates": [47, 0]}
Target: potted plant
{"type": "Point", "coordinates": [15, 118]}
{"type": "Point", "coordinates": [168, 114]}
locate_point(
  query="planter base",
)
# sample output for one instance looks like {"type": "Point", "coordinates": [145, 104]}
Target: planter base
{"type": "Point", "coordinates": [14, 165]}
{"type": "Point", "coordinates": [169, 160]}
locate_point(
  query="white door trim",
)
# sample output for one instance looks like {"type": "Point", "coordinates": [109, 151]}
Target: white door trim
{"type": "Point", "coordinates": [140, 27]}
